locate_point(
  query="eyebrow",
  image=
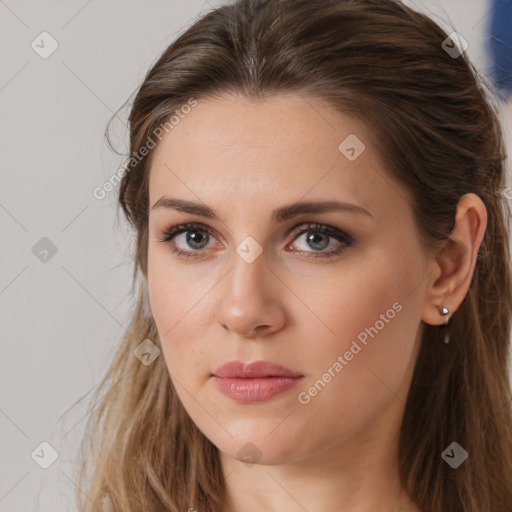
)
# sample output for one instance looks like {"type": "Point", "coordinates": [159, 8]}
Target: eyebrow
{"type": "Point", "coordinates": [279, 215]}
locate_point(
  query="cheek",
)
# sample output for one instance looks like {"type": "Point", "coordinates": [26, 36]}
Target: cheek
{"type": "Point", "coordinates": [178, 300]}
{"type": "Point", "coordinates": [342, 303]}
{"type": "Point", "coordinates": [373, 317]}
{"type": "Point", "coordinates": [169, 287]}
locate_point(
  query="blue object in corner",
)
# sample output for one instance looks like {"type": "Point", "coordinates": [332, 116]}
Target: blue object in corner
{"type": "Point", "coordinates": [500, 46]}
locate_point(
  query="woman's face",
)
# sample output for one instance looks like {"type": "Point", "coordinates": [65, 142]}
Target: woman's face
{"type": "Point", "coordinates": [334, 294]}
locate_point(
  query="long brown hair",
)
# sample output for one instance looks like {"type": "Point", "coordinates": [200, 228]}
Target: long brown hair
{"type": "Point", "coordinates": [438, 133]}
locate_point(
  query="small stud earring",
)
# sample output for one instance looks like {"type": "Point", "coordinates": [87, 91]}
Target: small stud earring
{"type": "Point", "coordinates": [446, 313]}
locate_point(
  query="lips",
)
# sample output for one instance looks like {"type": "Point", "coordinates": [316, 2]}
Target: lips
{"type": "Point", "coordinates": [254, 382]}
{"type": "Point", "coordinates": [238, 369]}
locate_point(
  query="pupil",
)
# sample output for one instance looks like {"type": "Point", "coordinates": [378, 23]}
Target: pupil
{"type": "Point", "coordinates": [314, 239]}
{"type": "Point", "coordinates": [194, 238]}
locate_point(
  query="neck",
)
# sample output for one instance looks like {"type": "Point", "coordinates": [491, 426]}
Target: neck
{"type": "Point", "coordinates": [355, 478]}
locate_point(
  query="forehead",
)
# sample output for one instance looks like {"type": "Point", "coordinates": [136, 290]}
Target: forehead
{"type": "Point", "coordinates": [245, 155]}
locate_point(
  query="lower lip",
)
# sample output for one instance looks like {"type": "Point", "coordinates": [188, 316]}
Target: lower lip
{"type": "Point", "coordinates": [254, 390]}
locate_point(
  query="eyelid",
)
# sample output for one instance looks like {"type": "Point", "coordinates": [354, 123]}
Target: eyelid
{"type": "Point", "coordinates": [171, 232]}
{"type": "Point", "coordinates": [337, 233]}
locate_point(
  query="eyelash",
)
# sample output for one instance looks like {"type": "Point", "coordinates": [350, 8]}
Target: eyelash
{"type": "Point", "coordinates": [339, 235]}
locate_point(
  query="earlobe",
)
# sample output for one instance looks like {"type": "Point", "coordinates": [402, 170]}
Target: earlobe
{"type": "Point", "coordinates": [437, 314]}
{"type": "Point", "coordinates": [455, 262]}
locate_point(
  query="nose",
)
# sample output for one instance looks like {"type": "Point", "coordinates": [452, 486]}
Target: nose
{"type": "Point", "coordinates": [252, 301]}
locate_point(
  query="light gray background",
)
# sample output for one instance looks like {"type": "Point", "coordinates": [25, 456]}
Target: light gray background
{"type": "Point", "coordinates": [62, 319]}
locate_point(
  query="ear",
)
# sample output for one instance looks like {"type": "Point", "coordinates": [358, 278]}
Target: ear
{"type": "Point", "coordinates": [452, 268]}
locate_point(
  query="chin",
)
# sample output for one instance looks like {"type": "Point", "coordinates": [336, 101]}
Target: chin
{"type": "Point", "coordinates": [260, 448]}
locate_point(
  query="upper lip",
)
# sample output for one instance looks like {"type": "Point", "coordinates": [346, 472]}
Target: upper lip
{"type": "Point", "coordinates": [254, 369]}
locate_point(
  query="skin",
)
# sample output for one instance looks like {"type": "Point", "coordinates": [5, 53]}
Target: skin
{"type": "Point", "coordinates": [245, 158]}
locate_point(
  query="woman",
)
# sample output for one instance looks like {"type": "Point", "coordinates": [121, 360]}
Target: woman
{"type": "Point", "coordinates": [322, 253]}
